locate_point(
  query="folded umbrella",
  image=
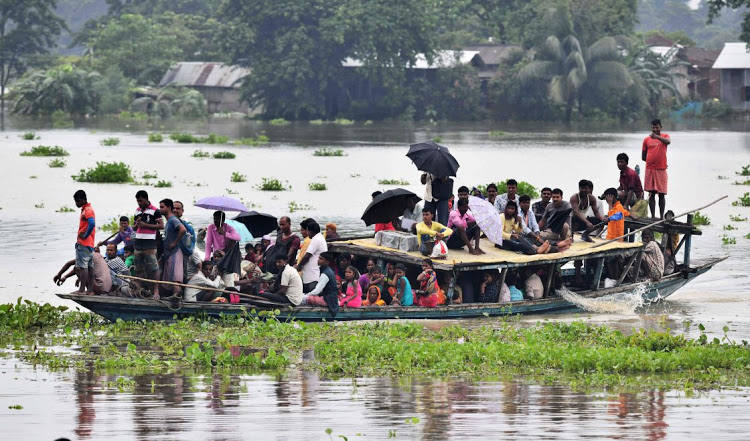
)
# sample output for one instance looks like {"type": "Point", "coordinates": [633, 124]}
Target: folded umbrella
{"type": "Point", "coordinates": [433, 158]}
{"type": "Point", "coordinates": [487, 218]}
{"type": "Point", "coordinates": [221, 203]}
{"type": "Point", "coordinates": [259, 224]}
{"type": "Point", "coordinates": [388, 206]}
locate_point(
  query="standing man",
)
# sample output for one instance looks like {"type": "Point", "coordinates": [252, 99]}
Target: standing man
{"type": "Point", "coordinates": [191, 257]}
{"type": "Point", "coordinates": [630, 182]}
{"type": "Point", "coordinates": [308, 265]}
{"type": "Point", "coordinates": [172, 255]}
{"type": "Point", "coordinates": [85, 243]}
{"type": "Point", "coordinates": [217, 233]}
{"type": "Point", "coordinates": [287, 243]}
{"type": "Point", "coordinates": [539, 206]}
{"type": "Point", "coordinates": [654, 152]}
{"type": "Point", "coordinates": [148, 222]}
{"type": "Point", "coordinates": [438, 192]}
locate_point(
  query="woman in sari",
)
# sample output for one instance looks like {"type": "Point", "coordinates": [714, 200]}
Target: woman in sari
{"type": "Point", "coordinates": [373, 297]}
{"type": "Point", "coordinates": [427, 294]}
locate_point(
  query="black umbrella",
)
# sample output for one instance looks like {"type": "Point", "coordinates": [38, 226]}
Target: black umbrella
{"type": "Point", "coordinates": [388, 206]}
{"type": "Point", "coordinates": [433, 158]}
{"type": "Point", "coordinates": [258, 223]}
{"type": "Point", "coordinates": [558, 219]}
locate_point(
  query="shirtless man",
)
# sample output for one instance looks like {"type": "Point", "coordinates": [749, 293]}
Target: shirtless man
{"type": "Point", "coordinates": [581, 202]}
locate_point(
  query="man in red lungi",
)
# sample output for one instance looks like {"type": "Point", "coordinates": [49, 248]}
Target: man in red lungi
{"type": "Point", "coordinates": [654, 152]}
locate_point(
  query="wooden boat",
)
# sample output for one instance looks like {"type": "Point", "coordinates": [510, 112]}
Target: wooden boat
{"type": "Point", "coordinates": [590, 258]}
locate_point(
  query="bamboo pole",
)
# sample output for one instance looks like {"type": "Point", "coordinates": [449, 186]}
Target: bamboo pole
{"type": "Point", "coordinates": [657, 223]}
{"type": "Point", "coordinates": [203, 288]}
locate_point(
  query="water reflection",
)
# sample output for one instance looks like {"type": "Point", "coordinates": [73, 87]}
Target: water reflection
{"type": "Point", "coordinates": [300, 404]}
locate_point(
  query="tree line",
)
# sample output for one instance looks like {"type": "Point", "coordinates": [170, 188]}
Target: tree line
{"type": "Point", "coordinates": [577, 59]}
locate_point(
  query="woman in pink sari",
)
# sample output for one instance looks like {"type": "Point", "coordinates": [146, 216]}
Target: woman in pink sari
{"type": "Point", "coordinates": [427, 294]}
{"type": "Point", "coordinates": [350, 294]}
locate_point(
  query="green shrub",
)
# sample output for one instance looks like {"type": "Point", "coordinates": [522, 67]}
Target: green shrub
{"type": "Point", "coordinates": [57, 163]}
{"type": "Point", "coordinates": [700, 219]}
{"type": "Point", "coordinates": [278, 122]}
{"type": "Point", "coordinates": [343, 121]}
{"type": "Point", "coordinates": [224, 155]}
{"type": "Point", "coordinates": [716, 109]}
{"type": "Point", "coordinates": [200, 154]}
{"type": "Point", "coordinates": [317, 122]}
{"type": "Point", "coordinates": [155, 137]}
{"type": "Point", "coordinates": [61, 120]}
{"type": "Point", "coordinates": [44, 150]}
{"type": "Point", "coordinates": [30, 136]}
{"type": "Point", "coordinates": [327, 151]}
{"type": "Point", "coordinates": [106, 172]}
{"type": "Point", "coordinates": [745, 171]}
{"type": "Point", "coordinates": [437, 138]}
{"type": "Point", "coordinates": [317, 186]}
{"type": "Point", "coordinates": [64, 209]}
{"type": "Point", "coordinates": [393, 182]}
{"type": "Point", "coordinates": [163, 184]}
{"type": "Point", "coordinates": [238, 177]}
{"type": "Point", "coordinates": [502, 187]}
{"type": "Point", "coordinates": [110, 141]}
{"type": "Point", "coordinates": [271, 184]}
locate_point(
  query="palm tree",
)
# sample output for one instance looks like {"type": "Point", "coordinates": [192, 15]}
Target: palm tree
{"type": "Point", "coordinates": [655, 75]}
{"type": "Point", "coordinates": [568, 68]}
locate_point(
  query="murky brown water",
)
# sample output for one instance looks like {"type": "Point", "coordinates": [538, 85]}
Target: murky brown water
{"type": "Point", "coordinates": [36, 241]}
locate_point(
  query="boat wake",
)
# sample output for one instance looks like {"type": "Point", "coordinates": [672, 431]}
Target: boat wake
{"type": "Point", "coordinates": [624, 303]}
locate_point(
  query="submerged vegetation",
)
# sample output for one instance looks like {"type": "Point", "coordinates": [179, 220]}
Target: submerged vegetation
{"type": "Point", "coordinates": [106, 172]}
{"type": "Point", "coordinates": [327, 151]}
{"type": "Point", "coordinates": [577, 353]}
{"type": "Point", "coordinates": [44, 150]}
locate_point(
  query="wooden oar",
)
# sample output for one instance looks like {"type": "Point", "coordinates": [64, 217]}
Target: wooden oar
{"type": "Point", "coordinates": [104, 242]}
{"type": "Point", "coordinates": [657, 223]}
{"type": "Point", "coordinates": [204, 288]}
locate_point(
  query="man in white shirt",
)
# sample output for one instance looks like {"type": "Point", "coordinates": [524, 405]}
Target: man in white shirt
{"type": "Point", "coordinates": [502, 200]}
{"type": "Point", "coordinates": [288, 286]}
{"type": "Point", "coordinates": [309, 263]}
{"type": "Point", "coordinates": [203, 278]}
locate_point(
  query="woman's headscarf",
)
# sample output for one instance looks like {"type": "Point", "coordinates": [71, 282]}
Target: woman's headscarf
{"type": "Point", "coordinates": [367, 299]}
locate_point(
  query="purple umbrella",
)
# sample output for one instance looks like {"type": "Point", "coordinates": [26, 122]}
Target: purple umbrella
{"type": "Point", "coordinates": [221, 203]}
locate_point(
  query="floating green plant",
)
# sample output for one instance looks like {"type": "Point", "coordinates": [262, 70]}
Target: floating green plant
{"type": "Point", "coordinates": [44, 150]}
{"type": "Point", "coordinates": [105, 172]}
{"type": "Point", "coordinates": [393, 182]}
{"type": "Point", "coordinates": [327, 151]}
{"type": "Point", "coordinates": [110, 141]}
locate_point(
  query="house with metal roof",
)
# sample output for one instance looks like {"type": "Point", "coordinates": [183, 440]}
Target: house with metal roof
{"type": "Point", "coordinates": [734, 64]}
{"type": "Point", "coordinates": [217, 82]}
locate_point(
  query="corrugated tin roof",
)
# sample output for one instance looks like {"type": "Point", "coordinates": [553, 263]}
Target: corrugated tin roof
{"type": "Point", "coordinates": [494, 54]}
{"type": "Point", "coordinates": [733, 56]}
{"type": "Point", "coordinates": [204, 74]}
{"type": "Point", "coordinates": [701, 57]}
{"type": "Point", "coordinates": [442, 59]}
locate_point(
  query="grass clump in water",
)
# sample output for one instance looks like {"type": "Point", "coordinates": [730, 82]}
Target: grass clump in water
{"type": "Point", "coordinates": [271, 184]}
{"type": "Point", "coordinates": [317, 186]}
{"type": "Point", "coordinates": [110, 141]}
{"type": "Point", "coordinates": [745, 170]}
{"type": "Point", "coordinates": [726, 240]}
{"type": "Point", "coordinates": [294, 206]}
{"type": "Point", "coordinates": [254, 142]}
{"type": "Point", "coordinates": [742, 201]}
{"type": "Point", "coordinates": [745, 182]}
{"type": "Point", "coordinates": [163, 184]}
{"type": "Point", "coordinates": [393, 182]}
{"type": "Point", "coordinates": [45, 150]}
{"type": "Point", "coordinates": [238, 177]}
{"type": "Point", "coordinates": [200, 154]}
{"type": "Point", "coordinates": [106, 172]}
{"type": "Point", "coordinates": [278, 122]}
{"type": "Point", "coordinates": [700, 219]}
{"type": "Point", "coordinates": [30, 136]}
{"type": "Point", "coordinates": [737, 218]}
{"type": "Point", "coordinates": [224, 155]}
{"type": "Point", "coordinates": [155, 137]}
{"type": "Point", "coordinates": [64, 209]}
{"type": "Point", "coordinates": [327, 151]}
{"type": "Point", "coordinates": [343, 122]}
{"type": "Point", "coordinates": [57, 163]}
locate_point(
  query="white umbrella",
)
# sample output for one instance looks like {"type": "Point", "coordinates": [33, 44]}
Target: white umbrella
{"type": "Point", "coordinates": [487, 218]}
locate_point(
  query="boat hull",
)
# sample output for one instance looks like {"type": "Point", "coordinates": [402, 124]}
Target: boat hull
{"type": "Point", "coordinates": [113, 308]}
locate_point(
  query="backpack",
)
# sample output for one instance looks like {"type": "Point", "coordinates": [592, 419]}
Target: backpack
{"type": "Point", "coordinates": [187, 243]}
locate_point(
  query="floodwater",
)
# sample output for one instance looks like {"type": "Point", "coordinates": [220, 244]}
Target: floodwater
{"type": "Point", "coordinates": [37, 241]}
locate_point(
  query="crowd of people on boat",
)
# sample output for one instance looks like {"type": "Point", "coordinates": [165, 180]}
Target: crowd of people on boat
{"type": "Point", "coordinates": [292, 269]}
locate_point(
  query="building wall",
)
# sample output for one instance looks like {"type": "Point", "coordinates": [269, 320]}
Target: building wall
{"type": "Point", "coordinates": [733, 84]}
